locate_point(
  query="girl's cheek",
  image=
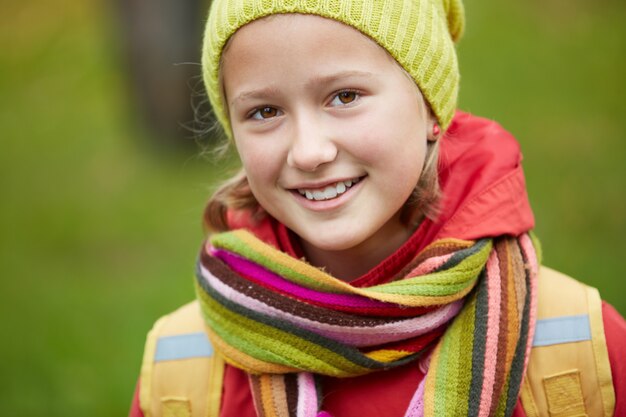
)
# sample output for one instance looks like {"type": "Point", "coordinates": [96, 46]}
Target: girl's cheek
{"type": "Point", "coordinates": [258, 155]}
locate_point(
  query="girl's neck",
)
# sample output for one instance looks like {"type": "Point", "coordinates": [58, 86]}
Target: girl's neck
{"type": "Point", "coordinates": [352, 263]}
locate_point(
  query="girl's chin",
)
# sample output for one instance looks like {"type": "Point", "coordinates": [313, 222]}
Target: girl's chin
{"type": "Point", "coordinates": [331, 243]}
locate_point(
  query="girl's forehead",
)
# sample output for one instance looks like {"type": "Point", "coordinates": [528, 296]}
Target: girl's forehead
{"type": "Point", "coordinates": [300, 35]}
{"type": "Point", "coordinates": [280, 26]}
{"type": "Point", "coordinates": [418, 34]}
{"type": "Point", "coordinates": [284, 47]}
{"type": "Point", "coordinates": [286, 20]}
{"type": "Point", "coordinates": [307, 60]}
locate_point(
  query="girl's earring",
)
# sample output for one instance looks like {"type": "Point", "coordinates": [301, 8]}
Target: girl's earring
{"type": "Point", "coordinates": [436, 130]}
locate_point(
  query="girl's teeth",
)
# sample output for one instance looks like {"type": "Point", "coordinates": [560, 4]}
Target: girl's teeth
{"type": "Point", "coordinates": [318, 195]}
{"type": "Point", "coordinates": [329, 192]}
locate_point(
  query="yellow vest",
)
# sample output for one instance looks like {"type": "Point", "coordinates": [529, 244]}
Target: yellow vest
{"type": "Point", "coordinates": [568, 374]}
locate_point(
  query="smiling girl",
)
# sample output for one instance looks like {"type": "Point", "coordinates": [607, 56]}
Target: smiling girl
{"type": "Point", "coordinates": [373, 255]}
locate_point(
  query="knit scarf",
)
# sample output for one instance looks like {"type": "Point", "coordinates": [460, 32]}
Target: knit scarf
{"type": "Point", "coordinates": [465, 309]}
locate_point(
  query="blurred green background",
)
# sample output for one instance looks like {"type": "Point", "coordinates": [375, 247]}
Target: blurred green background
{"type": "Point", "coordinates": [100, 220]}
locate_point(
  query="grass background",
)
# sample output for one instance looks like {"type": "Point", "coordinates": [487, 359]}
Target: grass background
{"type": "Point", "coordinates": [98, 231]}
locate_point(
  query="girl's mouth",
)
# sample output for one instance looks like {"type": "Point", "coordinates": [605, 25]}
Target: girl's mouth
{"type": "Point", "coordinates": [328, 192]}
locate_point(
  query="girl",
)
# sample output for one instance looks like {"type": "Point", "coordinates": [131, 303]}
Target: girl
{"type": "Point", "coordinates": [375, 257]}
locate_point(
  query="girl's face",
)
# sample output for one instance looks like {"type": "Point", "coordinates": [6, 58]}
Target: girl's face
{"type": "Point", "coordinates": [331, 131]}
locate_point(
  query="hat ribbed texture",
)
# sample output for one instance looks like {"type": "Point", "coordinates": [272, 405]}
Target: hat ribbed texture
{"type": "Point", "coordinates": [419, 34]}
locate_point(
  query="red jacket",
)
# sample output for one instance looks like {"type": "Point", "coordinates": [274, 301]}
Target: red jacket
{"type": "Point", "coordinates": [484, 194]}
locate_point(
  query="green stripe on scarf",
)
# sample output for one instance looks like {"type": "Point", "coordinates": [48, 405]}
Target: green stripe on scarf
{"type": "Point", "coordinates": [443, 283]}
{"type": "Point", "coordinates": [273, 345]}
{"type": "Point", "coordinates": [232, 242]}
{"type": "Point", "coordinates": [478, 349]}
{"type": "Point", "coordinates": [457, 341]}
{"type": "Point", "coordinates": [301, 348]}
{"type": "Point", "coordinates": [455, 381]}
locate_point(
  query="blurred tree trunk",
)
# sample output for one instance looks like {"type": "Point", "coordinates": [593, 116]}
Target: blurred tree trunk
{"type": "Point", "coordinates": [162, 41]}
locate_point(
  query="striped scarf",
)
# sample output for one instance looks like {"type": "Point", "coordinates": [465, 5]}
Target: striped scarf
{"type": "Point", "coordinates": [465, 309]}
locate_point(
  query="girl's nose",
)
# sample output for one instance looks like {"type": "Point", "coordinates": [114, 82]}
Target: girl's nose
{"type": "Point", "coordinates": [310, 148]}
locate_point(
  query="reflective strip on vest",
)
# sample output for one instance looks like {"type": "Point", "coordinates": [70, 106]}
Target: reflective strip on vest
{"type": "Point", "coordinates": [184, 346]}
{"type": "Point", "coordinates": [566, 329]}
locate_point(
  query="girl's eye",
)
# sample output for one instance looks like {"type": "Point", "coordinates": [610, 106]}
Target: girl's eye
{"type": "Point", "coordinates": [264, 113]}
{"type": "Point", "coordinates": [344, 97]}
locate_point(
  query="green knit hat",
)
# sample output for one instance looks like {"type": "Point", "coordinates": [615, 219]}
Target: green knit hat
{"type": "Point", "coordinates": [419, 34]}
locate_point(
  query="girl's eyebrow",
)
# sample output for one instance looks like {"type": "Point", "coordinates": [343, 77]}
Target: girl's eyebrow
{"type": "Point", "coordinates": [338, 76]}
{"type": "Point", "coordinates": [258, 93]}
{"type": "Point", "coordinates": [312, 83]}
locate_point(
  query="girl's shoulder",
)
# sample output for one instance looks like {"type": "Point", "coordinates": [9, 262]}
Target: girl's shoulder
{"type": "Point", "coordinates": [573, 363]}
{"type": "Point", "coordinates": [178, 357]}
{"type": "Point", "coordinates": [578, 340]}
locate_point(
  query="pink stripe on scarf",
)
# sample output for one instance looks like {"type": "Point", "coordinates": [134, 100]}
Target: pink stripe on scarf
{"type": "Point", "coordinates": [307, 396]}
{"type": "Point", "coordinates": [531, 257]}
{"type": "Point", "coordinates": [493, 328]}
{"type": "Point", "coordinates": [353, 336]}
{"type": "Point", "coordinates": [416, 406]}
{"type": "Point", "coordinates": [261, 274]}
{"type": "Point", "coordinates": [430, 265]}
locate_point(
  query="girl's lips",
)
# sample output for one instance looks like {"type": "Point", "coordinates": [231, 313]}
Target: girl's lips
{"type": "Point", "coordinates": [329, 190]}
{"type": "Point", "coordinates": [325, 204]}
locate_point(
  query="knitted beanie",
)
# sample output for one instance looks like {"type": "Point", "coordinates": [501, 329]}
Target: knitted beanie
{"type": "Point", "coordinates": [419, 34]}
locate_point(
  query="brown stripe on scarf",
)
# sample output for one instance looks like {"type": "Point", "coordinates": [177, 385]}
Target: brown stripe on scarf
{"type": "Point", "coordinates": [518, 263]}
{"type": "Point", "coordinates": [432, 251]}
{"type": "Point", "coordinates": [291, 389]}
{"type": "Point", "coordinates": [414, 344]}
{"type": "Point", "coordinates": [498, 386]}
{"type": "Point", "coordinates": [285, 303]}
{"type": "Point", "coordinates": [514, 319]}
